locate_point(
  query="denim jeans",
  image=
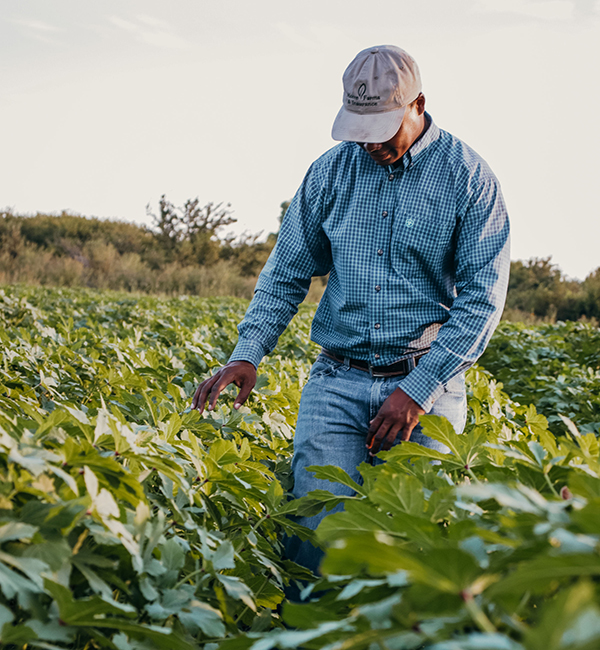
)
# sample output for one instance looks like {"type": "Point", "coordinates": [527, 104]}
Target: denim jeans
{"type": "Point", "coordinates": [337, 405]}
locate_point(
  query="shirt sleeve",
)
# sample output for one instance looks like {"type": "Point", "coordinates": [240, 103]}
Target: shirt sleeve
{"type": "Point", "coordinates": [482, 265]}
{"type": "Point", "coordinates": [301, 252]}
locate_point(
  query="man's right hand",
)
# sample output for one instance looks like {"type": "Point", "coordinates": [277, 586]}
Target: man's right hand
{"type": "Point", "coordinates": [240, 373]}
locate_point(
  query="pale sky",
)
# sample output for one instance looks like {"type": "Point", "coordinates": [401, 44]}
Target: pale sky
{"type": "Point", "coordinates": [107, 105]}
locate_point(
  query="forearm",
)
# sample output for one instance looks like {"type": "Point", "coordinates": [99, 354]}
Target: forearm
{"type": "Point", "coordinates": [265, 320]}
{"type": "Point", "coordinates": [482, 264]}
{"type": "Point", "coordinates": [460, 342]}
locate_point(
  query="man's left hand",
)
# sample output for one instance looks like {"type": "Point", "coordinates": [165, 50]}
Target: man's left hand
{"type": "Point", "coordinates": [399, 414]}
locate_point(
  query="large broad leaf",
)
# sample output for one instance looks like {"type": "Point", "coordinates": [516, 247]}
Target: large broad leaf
{"type": "Point", "coordinates": [16, 530]}
{"type": "Point", "coordinates": [223, 557]}
{"type": "Point", "coordinates": [14, 585]}
{"type": "Point", "coordinates": [335, 475]}
{"type": "Point", "coordinates": [172, 555]}
{"type": "Point", "coordinates": [201, 616]}
{"type": "Point", "coordinates": [519, 498]}
{"type": "Point", "coordinates": [478, 641]}
{"type": "Point", "coordinates": [293, 639]}
{"type": "Point", "coordinates": [559, 615]}
{"type": "Point", "coordinates": [72, 611]}
{"type": "Point", "coordinates": [415, 450]}
{"type": "Point", "coordinates": [371, 552]}
{"type": "Point", "coordinates": [540, 573]}
{"type": "Point", "coordinates": [99, 613]}
{"type": "Point", "coordinates": [360, 517]}
{"type": "Point", "coordinates": [399, 494]}
{"type": "Point", "coordinates": [237, 590]}
{"type": "Point", "coordinates": [312, 504]}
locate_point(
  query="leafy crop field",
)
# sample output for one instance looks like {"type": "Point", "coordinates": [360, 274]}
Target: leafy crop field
{"type": "Point", "coordinates": [129, 522]}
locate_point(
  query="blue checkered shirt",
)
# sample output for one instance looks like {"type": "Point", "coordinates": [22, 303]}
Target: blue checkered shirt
{"type": "Point", "coordinates": [417, 256]}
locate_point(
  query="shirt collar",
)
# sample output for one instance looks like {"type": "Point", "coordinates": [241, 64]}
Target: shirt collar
{"type": "Point", "coordinates": [432, 133]}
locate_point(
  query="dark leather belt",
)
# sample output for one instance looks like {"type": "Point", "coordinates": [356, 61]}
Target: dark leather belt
{"type": "Point", "coordinates": [402, 367]}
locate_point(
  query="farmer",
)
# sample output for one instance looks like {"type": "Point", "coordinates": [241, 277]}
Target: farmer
{"type": "Point", "coordinates": [410, 224]}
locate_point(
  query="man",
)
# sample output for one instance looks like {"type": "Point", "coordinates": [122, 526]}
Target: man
{"type": "Point", "coordinates": [410, 224]}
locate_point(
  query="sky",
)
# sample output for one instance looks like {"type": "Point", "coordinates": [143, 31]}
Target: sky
{"type": "Point", "coordinates": [105, 106]}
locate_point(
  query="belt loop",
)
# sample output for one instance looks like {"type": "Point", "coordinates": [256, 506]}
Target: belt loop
{"type": "Point", "coordinates": [347, 362]}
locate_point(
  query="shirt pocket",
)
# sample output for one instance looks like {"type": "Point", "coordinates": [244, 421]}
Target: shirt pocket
{"type": "Point", "coordinates": [418, 246]}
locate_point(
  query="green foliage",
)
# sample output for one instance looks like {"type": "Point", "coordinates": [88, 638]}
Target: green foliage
{"type": "Point", "coordinates": [555, 367]}
{"type": "Point", "coordinates": [128, 522]}
{"type": "Point", "coordinates": [538, 290]}
{"type": "Point", "coordinates": [496, 546]}
{"type": "Point", "coordinates": [184, 254]}
{"type": "Point", "coordinates": [124, 517]}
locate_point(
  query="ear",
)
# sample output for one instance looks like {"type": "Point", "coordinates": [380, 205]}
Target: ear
{"type": "Point", "coordinates": [420, 104]}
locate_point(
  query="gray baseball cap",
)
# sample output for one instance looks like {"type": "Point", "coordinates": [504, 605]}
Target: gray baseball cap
{"type": "Point", "coordinates": [378, 85]}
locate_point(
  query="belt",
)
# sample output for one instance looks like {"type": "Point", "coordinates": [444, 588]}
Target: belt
{"type": "Point", "coordinates": [402, 367]}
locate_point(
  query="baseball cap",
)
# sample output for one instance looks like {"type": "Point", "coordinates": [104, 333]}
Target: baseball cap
{"type": "Point", "coordinates": [378, 85]}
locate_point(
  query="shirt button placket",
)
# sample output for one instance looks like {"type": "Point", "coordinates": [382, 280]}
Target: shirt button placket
{"type": "Point", "coordinates": [384, 231]}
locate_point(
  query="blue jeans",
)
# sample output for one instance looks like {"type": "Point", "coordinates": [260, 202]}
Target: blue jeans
{"type": "Point", "coordinates": [337, 404]}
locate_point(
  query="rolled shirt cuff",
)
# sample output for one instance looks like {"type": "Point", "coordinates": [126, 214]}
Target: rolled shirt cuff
{"type": "Point", "coordinates": [422, 388]}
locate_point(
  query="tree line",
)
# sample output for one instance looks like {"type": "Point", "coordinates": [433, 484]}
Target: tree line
{"type": "Point", "coordinates": [186, 250]}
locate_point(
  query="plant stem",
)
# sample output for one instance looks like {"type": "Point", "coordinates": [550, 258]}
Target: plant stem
{"type": "Point", "coordinates": [556, 494]}
{"type": "Point", "coordinates": [187, 577]}
{"type": "Point", "coordinates": [472, 475]}
{"type": "Point", "coordinates": [478, 615]}
{"type": "Point", "coordinates": [264, 584]}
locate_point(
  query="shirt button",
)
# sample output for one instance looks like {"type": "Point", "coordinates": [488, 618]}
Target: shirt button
{"type": "Point", "coordinates": [384, 213]}
{"type": "Point", "coordinates": [380, 252]}
{"type": "Point", "coordinates": [377, 356]}
{"type": "Point", "coordinates": [377, 287]}
{"type": "Point", "coordinates": [391, 177]}
{"type": "Point", "coordinates": [377, 326]}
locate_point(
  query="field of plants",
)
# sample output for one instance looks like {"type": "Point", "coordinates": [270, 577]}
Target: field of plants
{"type": "Point", "coordinates": [129, 522]}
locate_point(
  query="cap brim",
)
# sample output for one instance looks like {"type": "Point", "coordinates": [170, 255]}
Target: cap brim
{"type": "Point", "coordinates": [374, 127]}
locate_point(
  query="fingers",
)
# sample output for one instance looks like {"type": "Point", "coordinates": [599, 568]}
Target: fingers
{"type": "Point", "coordinates": [240, 373]}
{"type": "Point", "coordinates": [384, 432]}
{"type": "Point", "coordinates": [379, 436]}
{"type": "Point", "coordinates": [201, 394]}
{"type": "Point", "coordinates": [375, 424]}
{"type": "Point", "coordinates": [245, 391]}
{"type": "Point", "coordinates": [216, 390]}
{"type": "Point", "coordinates": [408, 429]}
{"type": "Point", "coordinates": [390, 439]}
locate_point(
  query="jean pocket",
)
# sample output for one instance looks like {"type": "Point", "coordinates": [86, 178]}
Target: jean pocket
{"type": "Point", "coordinates": [456, 385]}
{"type": "Point", "coordinates": [324, 367]}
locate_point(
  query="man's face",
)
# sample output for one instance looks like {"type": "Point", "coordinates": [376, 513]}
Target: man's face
{"type": "Point", "coordinates": [390, 152]}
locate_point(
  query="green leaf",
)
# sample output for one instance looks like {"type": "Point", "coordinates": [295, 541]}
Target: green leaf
{"type": "Point", "coordinates": [440, 429]}
{"type": "Point", "coordinates": [335, 475]}
{"type": "Point", "coordinates": [172, 555]}
{"type": "Point", "coordinates": [558, 616]}
{"type": "Point", "coordinates": [223, 558]}
{"type": "Point", "coordinates": [237, 590]}
{"type": "Point", "coordinates": [274, 495]}
{"type": "Point", "coordinates": [6, 616]}
{"type": "Point", "coordinates": [539, 573]}
{"type": "Point", "coordinates": [399, 494]}
{"type": "Point", "coordinates": [204, 617]}
{"type": "Point", "coordinates": [415, 450]}
{"type": "Point", "coordinates": [16, 530]}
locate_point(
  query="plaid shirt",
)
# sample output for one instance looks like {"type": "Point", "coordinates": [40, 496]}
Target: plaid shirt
{"type": "Point", "coordinates": [418, 257]}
